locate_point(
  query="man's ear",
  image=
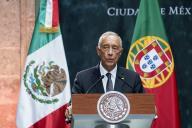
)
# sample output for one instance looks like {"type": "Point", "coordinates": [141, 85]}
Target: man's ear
{"type": "Point", "coordinates": [98, 51]}
{"type": "Point", "coordinates": [121, 51]}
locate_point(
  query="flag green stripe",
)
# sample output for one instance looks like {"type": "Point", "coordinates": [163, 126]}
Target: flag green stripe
{"type": "Point", "coordinates": [43, 5]}
{"type": "Point", "coordinates": [149, 23]}
{"type": "Point", "coordinates": [39, 39]}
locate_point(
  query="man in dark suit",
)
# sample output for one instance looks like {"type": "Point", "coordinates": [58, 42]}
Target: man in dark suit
{"type": "Point", "coordinates": [107, 76]}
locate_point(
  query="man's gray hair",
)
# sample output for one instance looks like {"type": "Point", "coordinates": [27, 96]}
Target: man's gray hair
{"type": "Point", "coordinates": [109, 33]}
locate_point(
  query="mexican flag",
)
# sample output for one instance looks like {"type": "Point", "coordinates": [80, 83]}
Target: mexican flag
{"type": "Point", "coordinates": [150, 55]}
{"type": "Point", "coordinates": [45, 85]}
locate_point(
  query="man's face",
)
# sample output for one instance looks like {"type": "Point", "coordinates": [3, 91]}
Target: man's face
{"type": "Point", "coordinates": [109, 52]}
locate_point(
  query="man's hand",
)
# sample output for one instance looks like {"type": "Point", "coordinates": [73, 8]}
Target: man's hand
{"type": "Point", "coordinates": [68, 113]}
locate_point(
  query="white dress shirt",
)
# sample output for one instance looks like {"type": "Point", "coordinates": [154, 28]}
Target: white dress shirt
{"type": "Point", "coordinates": [103, 71]}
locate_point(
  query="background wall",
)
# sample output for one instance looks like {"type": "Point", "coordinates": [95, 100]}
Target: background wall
{"type": "Point", "coordinates": [17, 21]}
{"type": "Point", "coordinates": [82, 22]}
{"type": "Point", "coordinates": [10, 60]}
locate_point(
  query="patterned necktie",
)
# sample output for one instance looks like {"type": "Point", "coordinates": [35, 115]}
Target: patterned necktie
{"type": "Point", "coordinates": [109, 86]}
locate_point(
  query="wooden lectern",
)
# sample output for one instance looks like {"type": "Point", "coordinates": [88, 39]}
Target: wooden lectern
{"type": "Point", "coordinates": [142, 111]}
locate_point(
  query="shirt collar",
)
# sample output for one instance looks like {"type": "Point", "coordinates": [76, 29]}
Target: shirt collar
{"type": "Point", "coordinates": [103, 71]}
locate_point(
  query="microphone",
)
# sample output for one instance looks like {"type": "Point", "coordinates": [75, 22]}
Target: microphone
{"type": "Point", "coordinates": [122, 78]}
{"type": "Point", "coordinates": [89, 89]}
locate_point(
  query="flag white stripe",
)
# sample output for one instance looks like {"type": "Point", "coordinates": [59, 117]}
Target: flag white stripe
{"type": "Point", "coordinates": [29, 110]}
{"type": "Point", "coordinates": [49, 13]}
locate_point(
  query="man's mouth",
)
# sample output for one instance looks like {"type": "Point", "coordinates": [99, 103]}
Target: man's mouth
{"type": "Point", "coordinates": [110, 60]}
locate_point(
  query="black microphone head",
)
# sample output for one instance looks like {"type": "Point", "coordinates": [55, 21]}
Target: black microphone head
{"type": "Point", "coordinates": [102, 76]}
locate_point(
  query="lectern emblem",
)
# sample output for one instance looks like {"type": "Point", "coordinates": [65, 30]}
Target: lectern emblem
{"type": "Point", "coordinates": [113, 107]}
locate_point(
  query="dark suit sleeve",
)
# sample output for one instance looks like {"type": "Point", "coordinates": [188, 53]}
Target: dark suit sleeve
{"type": "Point", "coordinates": [76, 85]}
{"type": "Point", "coordinates": [138, 87]}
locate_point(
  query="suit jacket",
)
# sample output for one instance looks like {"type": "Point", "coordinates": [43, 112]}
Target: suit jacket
{"type": "Point", "coordinates": [90, 81]}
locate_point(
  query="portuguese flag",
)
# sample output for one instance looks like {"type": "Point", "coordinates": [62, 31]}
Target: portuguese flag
{"type": "Point", "coordinates": [45, 87]}
{"type": "Point", "coordinates": [150, 55]}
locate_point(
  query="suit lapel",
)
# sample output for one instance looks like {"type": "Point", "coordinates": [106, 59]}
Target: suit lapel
{"type": "Point", "coordinates": [99, 87]}
{"type": "Point", "coordinates": [118, 82]}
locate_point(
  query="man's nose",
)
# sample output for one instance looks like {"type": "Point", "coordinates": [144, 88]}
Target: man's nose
{"type": "Point", "coordinates": [110, 51]}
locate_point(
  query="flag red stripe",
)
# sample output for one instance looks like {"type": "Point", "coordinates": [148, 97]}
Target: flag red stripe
{"type": "Point", "coordinates": [55, 119]}
{"type": "Point", "coordinates": [55, 18]}
{"type": "Point", "coordinates": [166, 100]}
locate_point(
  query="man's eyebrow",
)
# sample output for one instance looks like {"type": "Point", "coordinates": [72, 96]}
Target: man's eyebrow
{"type": "Point", "coordinates": [105, 44]}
